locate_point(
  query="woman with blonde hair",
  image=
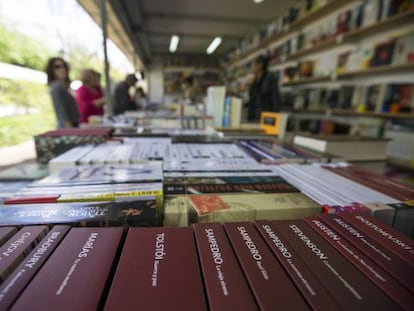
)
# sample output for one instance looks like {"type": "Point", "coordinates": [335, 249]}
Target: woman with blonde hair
{"type": "Point", "coordinates": [89, 96]}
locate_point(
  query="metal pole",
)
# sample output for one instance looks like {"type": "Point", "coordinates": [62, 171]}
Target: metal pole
{"type": "Point", "coordinates": [104, 23]}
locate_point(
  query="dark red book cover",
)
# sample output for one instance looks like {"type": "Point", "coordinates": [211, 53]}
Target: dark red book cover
{"type": "Point", "coordinates": [349, 287]}
{"type": "Point", "coordinates": [268, 281]}
{"type": "Point", "coordinates": [17, 247]}
{"type": "Point", "coordinates": [387, 236]}
{"type": "Point", "coordinates": [397, 292]}
{"type": "Point", "coordinates": [76, 274]}
{"type": "Point", "coordinates": [158, 270]}
{"type": "Point", "coordinates": [6, 233]}
{"type": "Point", "coordinates": [224, 281]}
{"type": "Point", "coordinates": [311, 288]}
{"type": "Point", "coordinates": [18, 280]}
{"type": "Point", "coordinates": [385, 258]}
{"type": "Point", "coordinates": [375, 181]}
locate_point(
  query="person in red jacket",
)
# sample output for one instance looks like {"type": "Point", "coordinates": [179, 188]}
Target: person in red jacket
{"type": "Point", "coordinates": [89, 96]}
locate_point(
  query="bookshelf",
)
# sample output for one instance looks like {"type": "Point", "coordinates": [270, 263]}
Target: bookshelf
{"type": "Point", "coordinates": [309, 18]}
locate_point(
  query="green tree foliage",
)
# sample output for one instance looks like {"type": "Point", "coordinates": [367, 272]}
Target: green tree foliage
{"type": "Point", "coordinates": [19, 49]}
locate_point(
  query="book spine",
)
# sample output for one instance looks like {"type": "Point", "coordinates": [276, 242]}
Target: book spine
{"type": "Point", "coordinates": [311, 288]}
{"type": "Point", "coordinates": [83, 260]}
{"type": "Point", "coordinates": [385, 258]}
{"type": "Point", "coordinates": [18, 280]}
{"type": "Point", "coordinates": [158, 270]}
{"type": "Point", "coordinates": [398, 293]}
{"type": "Point", "coordinates": [281, 187]}
{"type": "Point", "coordinates": [224, 281]}
{"type": "Point", "coordinates": [349, 287]}
{"type": "Point", "coordinates": [17, 247]}
{"type": "Point", "coordinates": [387, 236]}
{"type": "Point", "coordinates": [268, 281]}
{"type": "Point", "coordinates": [6, 233]}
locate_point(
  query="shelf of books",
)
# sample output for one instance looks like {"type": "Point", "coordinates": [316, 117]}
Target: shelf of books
{"type": "Point", "coordinates": [240, 223]}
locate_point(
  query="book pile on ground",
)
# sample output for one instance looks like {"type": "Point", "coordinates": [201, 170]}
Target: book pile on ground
{"type": "Point", "coordinates": [351, 148]}
{"type": "Point", "coordinates": [315, 263]}
{"type": "Point", "coordinates": [232, 198]}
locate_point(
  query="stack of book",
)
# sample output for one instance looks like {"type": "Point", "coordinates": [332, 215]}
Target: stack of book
{"type": "Point", "coordinates": [90, 196]}
{"type": "Point", "coordinates": [315, 263]}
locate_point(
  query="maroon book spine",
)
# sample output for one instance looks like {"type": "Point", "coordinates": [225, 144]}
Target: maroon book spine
{"type": "Point", "coordinates": [311, 288]}
{"type": "Point", "coordinates": [19, 279]}
{"type": "Point", "coordinates": [6, 233]}
{"type": "Point", "coordinates": [385, 258]}
{"type": "Point", "coordinates": [224, 281]}
{"type": "Point", "coordinates": [17, 247]}
{"type": "Point", "coordinates": [269, 282]}
{"type": "Point", "coordinates": [158, 270]}
{"type": "Point", "coordinates": [349, 287]}
{"type": "Point", "coordinates": [398, 293]}
{"type": "Point", "coordinates": [387, 236]}
{"type": "Point", "coordinates": [76, 274]}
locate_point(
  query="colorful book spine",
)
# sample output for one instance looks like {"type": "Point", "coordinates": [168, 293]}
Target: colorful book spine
{"type": "Point", "coordinates": [158, 270]}
{"type": "Point", "coordinates": [225, 284]}
{"type": "Point", "coordinates": [6, 233]}
{"type": "Point", "coordinates": [385, 258]}
{"type": "Point", "coordinates": [388, 237]}
{"type": "Point", "coordinates": [309, 286]}
{"type": "Point", "coordinates": [22, 275]}
{"type": "Point", "coordinates": [397, 292]}
{"type": "Point", "coordinates": [349, 287]}
{"type": "Point", "coordinates": [96, 214]}
{"type": "Point", "coordinates": [75, 276]}
{"type": "Point", "coordinates": [268, 281]}
{"type": "Point", "coordinates": [17, 247]}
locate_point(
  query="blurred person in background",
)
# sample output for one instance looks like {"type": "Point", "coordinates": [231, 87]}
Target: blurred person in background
{"type": "Point", "coordinates": [66, 110]}
{"type": "Point", "coordinates": [141, 99]}
{"type": "Point", "coordinates": [89, 96]}
{"type": "Point", "coordinates": [121, 97]}
{"type": "Point", "coordinates": [264, 90]}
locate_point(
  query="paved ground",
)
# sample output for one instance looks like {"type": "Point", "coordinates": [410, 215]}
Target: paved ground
{"type": "Point", "coordinates": [17, 153]}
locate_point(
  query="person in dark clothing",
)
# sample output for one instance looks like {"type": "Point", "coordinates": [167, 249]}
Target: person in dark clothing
{"type": "Point", "coordinates": [64, 104]}
{"type": "Point", "coordinates": [121, 98]}
{"type": "Point", "coordinates": [264, 91]}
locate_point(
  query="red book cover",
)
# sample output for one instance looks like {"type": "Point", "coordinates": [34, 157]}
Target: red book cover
{"type": "Point", "coordinates": [349, 287]}
{"type": "Point", "coordinates": [18, 280]}
{"type": "Point", "coordinates": [6, 233]}
{"type": "Point", "coordinates": [397, 292]}
{"type": "Point", "coordinates": [269, 282]}
{"type": "Point", "coordinates": [387, 236]}
{"type": "Point", "coordinates": [17, 247]}
{"type": "Point", "coordinates": [385, 258]}
{"type": "Point", "coordinates": [158, 270]}
{"type": "Point", "coordinates": [311, 288]}
{"type": "Point", "coordinates": [76, 274]}
{"type": "Point", "coordinates": [224, 280]}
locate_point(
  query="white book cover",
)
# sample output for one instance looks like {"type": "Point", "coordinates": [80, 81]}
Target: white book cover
{"type": "Point", "coordinates": [215, 104]}
{"type": "Point", "coordinates": [235, 112]}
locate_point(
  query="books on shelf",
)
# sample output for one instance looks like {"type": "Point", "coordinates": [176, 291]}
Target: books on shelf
{"type": "Point", "coordinates": [353, 148]}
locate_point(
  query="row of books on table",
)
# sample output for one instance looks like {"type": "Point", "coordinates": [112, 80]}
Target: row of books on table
{"type": "Point", "coordinates": [146, 195]}
{"type": "Point", "coordinates": [349, 261]}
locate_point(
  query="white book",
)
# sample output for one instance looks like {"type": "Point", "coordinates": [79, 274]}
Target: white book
{"type": "Point", "coordinates": [235, 112]}
{"type": "Point", "coordinates": [69, 158]}
{"type": "Point", "coordinates": [215, 104]}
